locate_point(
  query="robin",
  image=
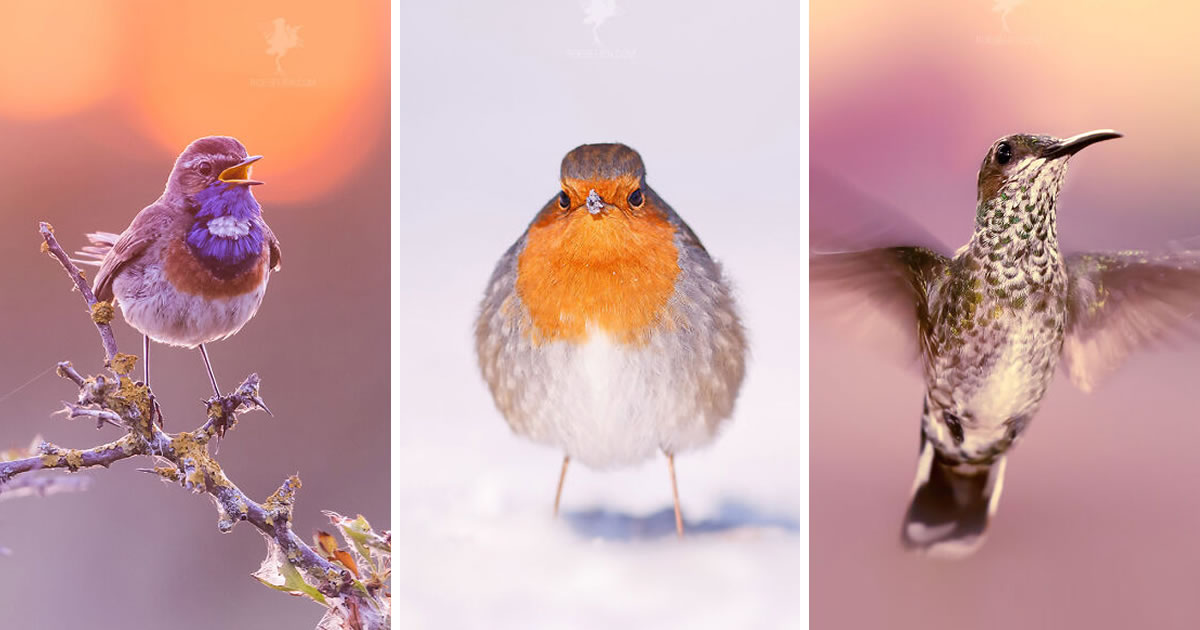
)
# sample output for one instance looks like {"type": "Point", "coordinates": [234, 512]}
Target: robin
{"type": "Point", "coordinates": [606, 329]}
{"type": "Point", "coordinates": [193, 266]}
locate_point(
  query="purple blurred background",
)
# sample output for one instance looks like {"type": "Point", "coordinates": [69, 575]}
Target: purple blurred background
{"type": "Point", "coordinates": [133, 552]}
{"type": "Point", "coordinates": [1097, 525]}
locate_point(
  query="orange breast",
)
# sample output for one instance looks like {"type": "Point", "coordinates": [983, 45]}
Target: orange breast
{"type": "Point", "coordinates": [612, 271]}
{"type": "Point", "coordinates": [189, 275]}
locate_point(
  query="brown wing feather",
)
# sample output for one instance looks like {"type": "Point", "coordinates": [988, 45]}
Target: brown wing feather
{"type": "Point", "coordinates": [146, 227]}
{"type": "Point", "coordinates": [1123, 302]}
{"type": "Point", "coordinates": [276, 260]}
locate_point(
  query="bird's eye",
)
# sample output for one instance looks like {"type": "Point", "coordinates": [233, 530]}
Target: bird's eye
{"type": "Point", "coordinates": [1003, 153]}
{"type": "Point", "coordinates": [564, 200]}
{"type": "Point", "coordinates": [204, 168]}
{"type": "Point", "coordinates": [636, 198]}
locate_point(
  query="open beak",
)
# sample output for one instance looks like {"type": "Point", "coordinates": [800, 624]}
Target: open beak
{"type": "Point", "coordinates": [239, 174]}
{"type": "Point", "coordinates": [1071, 146]}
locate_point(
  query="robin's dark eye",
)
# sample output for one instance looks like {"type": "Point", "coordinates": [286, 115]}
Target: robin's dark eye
{"type": "Point", "coordinates": [564, 200]}
{"type": "Point", "coordinates": [1003, 153]}
{"type": "Point", "coordinates": [204, 168]}
{"type": "Point", "coordinates": [636, 198]}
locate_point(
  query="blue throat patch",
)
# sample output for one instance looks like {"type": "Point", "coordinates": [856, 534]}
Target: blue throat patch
{"type": "Point", "coordinates": [226, 257]}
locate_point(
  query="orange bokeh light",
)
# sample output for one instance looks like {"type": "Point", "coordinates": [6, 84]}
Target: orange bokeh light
{"type": "Point", "coordinates": [59, 57]}
{"type": "Point", "coordinates": [302, 83]}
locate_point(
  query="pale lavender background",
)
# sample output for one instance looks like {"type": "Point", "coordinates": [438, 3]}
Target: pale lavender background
{"type": "Point", "coordinates": [491, 97]}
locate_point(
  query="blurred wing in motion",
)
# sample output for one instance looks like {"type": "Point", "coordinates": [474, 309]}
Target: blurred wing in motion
{"type": "Point", "coordinates": [843, 218]}
{"type": "Point", "coordinates": [1122, 302]}
{"type": "Point", "coordinates": [875, 291]}
{"type": "Point", "coordinates": [861, 282]}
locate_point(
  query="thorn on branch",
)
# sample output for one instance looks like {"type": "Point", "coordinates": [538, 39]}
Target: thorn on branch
{"type": "Point", "coordinates": [101, 415]}
{"type": "Point", "coordinates": [67, 371]}
{"type": "Point", "coordinates": [223, 410]}
{"type": "Point", "coordinates": [279, 505]}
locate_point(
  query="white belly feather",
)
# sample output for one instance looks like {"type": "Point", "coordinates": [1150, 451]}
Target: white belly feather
{"type": "Point", "coordinates": [610, 404]}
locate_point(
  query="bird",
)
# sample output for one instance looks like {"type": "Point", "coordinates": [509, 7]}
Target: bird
{"type": "Point", "coordinates": [992, 322]}
{"type": "Point", "coordinates": [193, 266]}
{"type": "Point", "coordinates": [606, 330]}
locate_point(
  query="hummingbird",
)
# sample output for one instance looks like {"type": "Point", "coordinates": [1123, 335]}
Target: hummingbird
{"type": "Point", "coordinates": [994, 320]}
{"type": "Point", "coordinates": [607, 330]}
{"type": "Point", "coordinates": [193, 266]}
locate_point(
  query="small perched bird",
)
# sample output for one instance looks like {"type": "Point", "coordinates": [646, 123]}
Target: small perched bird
{"type": "Point", "coordinates": [607, 330]}
{"type": "Point", "coordinates": [193, 266]}
{"type": "Point", "coordinates": [992, 321]}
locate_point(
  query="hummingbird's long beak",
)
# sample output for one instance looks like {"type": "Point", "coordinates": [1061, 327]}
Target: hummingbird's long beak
{"type": "Point", "coordinates": [1072, 145]}
{"type": "Point", "coordinates": [239, 174]}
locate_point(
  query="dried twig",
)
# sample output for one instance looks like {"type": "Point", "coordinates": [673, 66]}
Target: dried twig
{"type": "Point", "coordinates": [330, 576]}
{"type": "Point", "coordinates": [100, 315]}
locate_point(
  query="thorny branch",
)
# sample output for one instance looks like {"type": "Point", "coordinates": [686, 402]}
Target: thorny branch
{"type": "Point", "coordinates": [328, 575]}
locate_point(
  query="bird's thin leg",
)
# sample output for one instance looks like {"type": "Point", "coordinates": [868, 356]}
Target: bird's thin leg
{"type": "Point", "coordinates": [211, 377]}
{"type": "Point", "coordinates": [146, 357]}
{"type": "Point", "coordinates": [561, 477]}
{"type": "Point", "coordinates": [156, 411]}
{"type": "Point", "coordinates": [675, 492]}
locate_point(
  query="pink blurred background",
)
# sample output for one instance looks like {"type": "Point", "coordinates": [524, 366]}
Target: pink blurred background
{"type": "Point", "coordinates": [1097, 525]}
{"type": "Point", "coordinates": [96, 100]}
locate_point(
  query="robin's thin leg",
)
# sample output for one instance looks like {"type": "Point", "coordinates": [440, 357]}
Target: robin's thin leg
{"type": "Point", "coordinates": [146, 357]}
{"type": "Point", "coordinates": [675, 492]}
{"type": "Point", "coordinates": [212, 378]}
{"type": "Point", "coordinates": [561, 477]}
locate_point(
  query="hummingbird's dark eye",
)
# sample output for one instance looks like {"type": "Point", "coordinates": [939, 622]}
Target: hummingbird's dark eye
{"type": "Point", "coordinates": [1003, 153]}
{"type": "Point", "coordinates": [636, 198]}
{"type": "Point", "coordinates": [564, 200]}
{"type": "Point", "coordinates": [204, 168]}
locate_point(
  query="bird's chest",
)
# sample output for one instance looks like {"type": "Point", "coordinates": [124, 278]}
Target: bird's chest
{"type": "Point", "coordinates": [613, 275]}
{"type": "Point", "coordinates": [1002, 351]}
{"type": "Point", "coordinates": [192, 274]}
{"type": "Point", "coordinates": [1013, 370]}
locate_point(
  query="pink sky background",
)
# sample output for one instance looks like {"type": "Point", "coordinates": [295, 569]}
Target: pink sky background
{"type": "Point", "coordinates": [1097, 525]}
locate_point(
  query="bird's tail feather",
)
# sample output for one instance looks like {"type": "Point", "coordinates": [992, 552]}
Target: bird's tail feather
{"type": "Point", "coordinates": [94, 254]}
{"type": "Point", "coordinates": [951, 505]}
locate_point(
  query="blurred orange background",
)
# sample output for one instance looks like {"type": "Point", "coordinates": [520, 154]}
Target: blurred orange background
{"type": "Point", "coordinates": [1097, 524]}
{"type": "Point", "coordinates": [96, 100]}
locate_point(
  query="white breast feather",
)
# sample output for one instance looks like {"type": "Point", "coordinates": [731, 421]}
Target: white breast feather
{"type": "Point", "coordinates": [229, 227]}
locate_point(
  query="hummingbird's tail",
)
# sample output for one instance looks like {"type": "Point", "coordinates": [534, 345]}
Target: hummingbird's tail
{"type": "Point", "coordinates": [951, 504]}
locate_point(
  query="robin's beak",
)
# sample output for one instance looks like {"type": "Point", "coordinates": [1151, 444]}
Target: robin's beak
{"type": "Point", "coordinates": [1071, 146]}
{"type": "Point", "coordinates": [239, 174]}
{"type": "Point", "coordinates": [596, 204]}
